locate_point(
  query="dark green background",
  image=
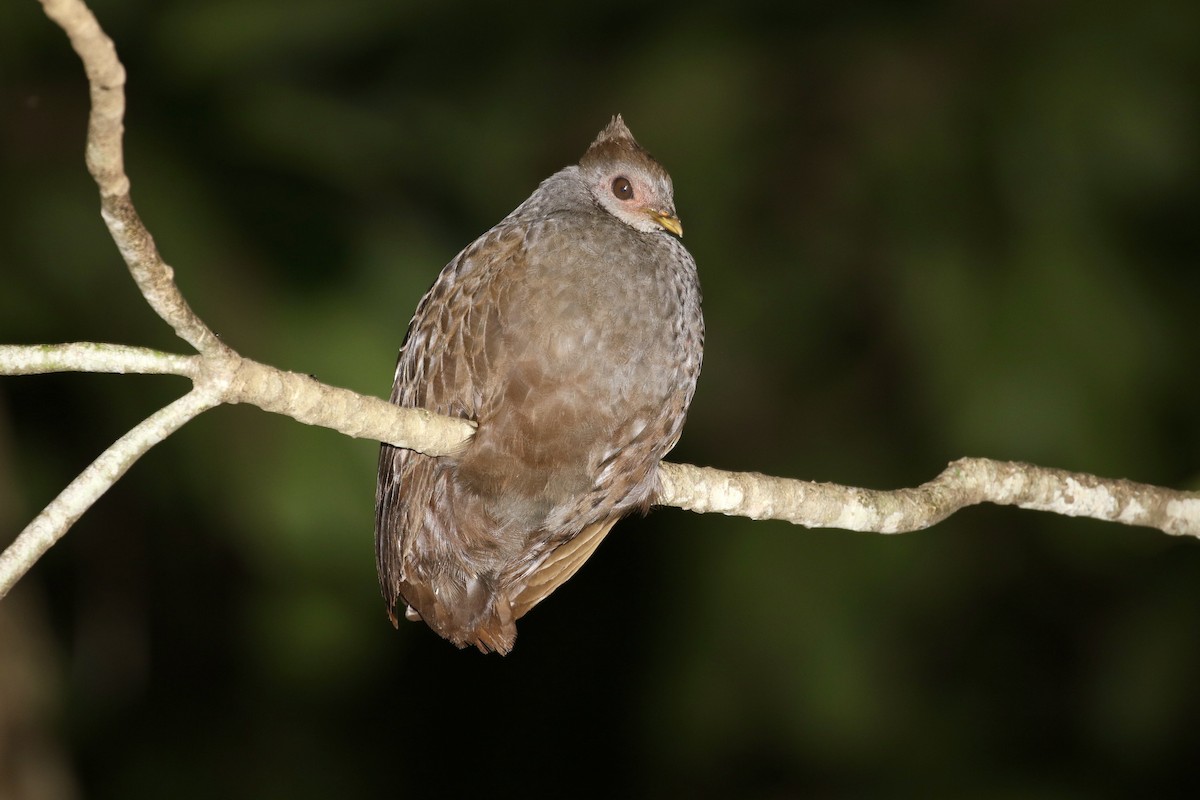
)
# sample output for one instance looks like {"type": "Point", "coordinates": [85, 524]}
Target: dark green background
{"type": "Point", "coordinates": [924, 231]}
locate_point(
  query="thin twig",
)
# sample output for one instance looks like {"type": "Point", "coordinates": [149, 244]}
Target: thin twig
{"type": "Point", "coordinates": [38, 359]}
{"type": "Point", "coordinates": [58, 517]}
{"type": "Point", "coordinates": [106, 163]}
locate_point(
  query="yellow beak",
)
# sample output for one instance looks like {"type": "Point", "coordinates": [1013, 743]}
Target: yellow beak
{"type": "Point", "coordinates": [669, 222]}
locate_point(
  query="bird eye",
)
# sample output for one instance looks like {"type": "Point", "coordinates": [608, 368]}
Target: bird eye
{"type": "Point", "coordinates": [622, 189]}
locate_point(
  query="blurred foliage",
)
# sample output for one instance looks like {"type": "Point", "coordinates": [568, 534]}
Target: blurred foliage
{"type": "Point", "coordinates": [925, 230]}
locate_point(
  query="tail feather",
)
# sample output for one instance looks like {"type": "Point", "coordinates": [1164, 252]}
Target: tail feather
{"type": "Point", "coordinates": [470, 614]}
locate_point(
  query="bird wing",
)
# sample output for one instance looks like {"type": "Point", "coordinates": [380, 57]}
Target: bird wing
{"type": "Point", "coordinates": [443, 367]}
{"type": "Point", "coordinates": [559, 566]}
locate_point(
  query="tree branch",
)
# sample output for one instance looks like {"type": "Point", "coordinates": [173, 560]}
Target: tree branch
{"type": "Point", "coordinates": [220, 375]}
{"type": "Point", "coordinates": [106, 163]}
{"type": "Point", "coordinates": [57, 518]}
{"type": "Point", "coordinates": [966, 482]}
{"type": "Point", "coordinates": [38, 359]}
{"type": "Point", "coordinates": [232, 378]}
{"type": "Point", "coordinates": [307, 400]}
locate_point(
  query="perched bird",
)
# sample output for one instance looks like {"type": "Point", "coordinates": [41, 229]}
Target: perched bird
{"type": "Point", "coordinates": [571, 334]}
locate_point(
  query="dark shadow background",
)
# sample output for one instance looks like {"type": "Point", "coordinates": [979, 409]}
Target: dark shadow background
{"type": "Point", "coordinates": [924, 231]}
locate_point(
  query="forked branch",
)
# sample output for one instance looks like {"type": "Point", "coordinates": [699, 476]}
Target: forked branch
{"type": "Point", "coordinates": [220, 375]}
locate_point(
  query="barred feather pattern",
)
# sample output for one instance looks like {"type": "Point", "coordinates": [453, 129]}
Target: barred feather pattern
{"type": "Point", "coordinates": [571, 333]}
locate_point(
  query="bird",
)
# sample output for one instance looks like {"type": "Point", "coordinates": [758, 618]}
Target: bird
{"type": "Point", "coordinates": [571, 334]}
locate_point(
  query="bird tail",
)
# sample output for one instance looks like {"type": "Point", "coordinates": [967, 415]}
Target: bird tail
{"type": "Point", "coordinates": [467, 613]}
